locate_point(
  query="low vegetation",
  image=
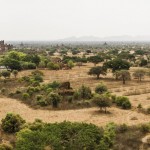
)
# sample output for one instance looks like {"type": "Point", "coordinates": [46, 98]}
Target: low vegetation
{"type": "Point", "coordinates": [108, 77]}
{"type": "Point", "coordinates": [67, 135]}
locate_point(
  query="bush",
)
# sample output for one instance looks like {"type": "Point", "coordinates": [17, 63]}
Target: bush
{"type": "Point", "coordinates": [69, 99]}
{"type": "Point", "coordinates": [101, 88]}
{"type": "Point", "coordinates": [26, 78]}
{"type": "Point", "coordinates": [122, 128]}
{"type": "Point", "coordinates": [12, 123]}
{"type": "Point", "coordinates": [102, 101]}
{"type": "Point", "coordinates": [139, 106]}
{"type": "Point", "coordinates": [53, 85]}
{"type": "Point", "coordinates": [113, 97]}
{"type": "Point", "coordinates": [36, 125]}
{"type": "Point", "coordinates": [28, 65]}
{"type": "Point", "coordinates": [126, 104]}
{"type": "Point", "coordinates": [54, 99]}
{"type": "Point", "coordinates": [123, 102]}
{"type": "Point", "coordinates": [41, 64]}
{"type": "Point", "coordinates": [37, 77]}
{"type": "Point", "coordinates": [11, 94]}
{"type": "Point", "coordinates": [70, 64]}
{"type": "Point", "coordinates": [3, 90]}
{"type": "Point", "coordinates": [50, 65]}
{"type": "Point", "coordinates": [65, 135]}
{"type": "Point", "coordinates": [35, 83]}
{"type": "Point", "coordinates": [42, 102]}
{"type": "Point", "coordinates": [39, 97]}
{"type": "Point", "coordinates": [56, 67]}
{"type": "Point", "coordinates": [18, 92]}
{"type": "Point", "coordinates": [85, 92]}
{"type": "Point", "coordinates": [49, 90]}
{"type": "Point", "coordinates": [30, 90]}
{"type": "Point", "coordinates": [76, 95]}
{"type": "Point", "coordinates": [108, 137]}
{"type": "Point", "coordinates": [37, 89]}
{"type": "Point", "coordinates": [145, 128]}
{"type": "Point", "coordinates": [25, 96]}
{"type": "Point", "coordinates": [37, 72]}
{"type": "Point", "coordinates": [6, 147]}
{"type": "Point", "coordinates": [5, 74]}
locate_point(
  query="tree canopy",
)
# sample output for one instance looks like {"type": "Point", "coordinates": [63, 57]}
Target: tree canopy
{"type": "Point", "coordinates": [117, 64]}
{"type": "Point", "coordinates": [98, 70]}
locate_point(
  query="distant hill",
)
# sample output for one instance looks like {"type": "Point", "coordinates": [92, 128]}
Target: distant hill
{"type": "Point", "coordinates": [111, 38]}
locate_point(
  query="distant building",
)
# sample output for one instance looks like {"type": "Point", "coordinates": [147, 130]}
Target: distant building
{"type": "Point", "coordinates": [4, 47]}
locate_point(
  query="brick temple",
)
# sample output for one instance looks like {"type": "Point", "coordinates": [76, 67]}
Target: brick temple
{"type": "Point", "coordinates": [4, 47]}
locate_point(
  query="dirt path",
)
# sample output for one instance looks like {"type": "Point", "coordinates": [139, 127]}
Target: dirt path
{"type": "Point", "coordinates": [90, 115]}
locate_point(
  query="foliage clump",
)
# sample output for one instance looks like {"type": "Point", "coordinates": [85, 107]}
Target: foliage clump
{"type": "Point", "coordinates": [54, 99]}
{"type": "Point", "coordinates": [102, 101]}
{"type": "Point", "coordinates": [65, 135]}
{"type": "Point", "coordinates": [12, 123]}
{"type": "Point", "coordinates": [101, 88]}
{"type": "Point", "coordinates": [85, 92]}
{"type": "Point", "coordinates": [123, 102]}
{"type": "Point", "coordinates": [6, 147]}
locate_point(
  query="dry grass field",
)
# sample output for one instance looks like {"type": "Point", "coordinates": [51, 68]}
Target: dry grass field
{"type": "Point", "coordinates": [90, 115]}
{"type": "Point", "coordinates": [137, 93]}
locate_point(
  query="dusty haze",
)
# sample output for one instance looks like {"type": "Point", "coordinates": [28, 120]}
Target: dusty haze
{"type": "Point", "coordinates": [58, 19]}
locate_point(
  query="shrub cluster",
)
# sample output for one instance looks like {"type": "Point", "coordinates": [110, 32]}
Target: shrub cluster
{"type": "Point", "coordinates": [83, 92]}
{"type": "Point", "coordinates": [101, 88]}
{"type": "Point", "coordinates": [6, 147]}
{"type": "Point", "coordinates": [12, 123]}
{"type": "Point", "coordinates": [65, 135]}
{"type": "Point", "coordinates": [123, 102]}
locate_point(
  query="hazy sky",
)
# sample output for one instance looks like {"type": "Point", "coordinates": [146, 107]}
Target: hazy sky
{"type": "Point", "coordinates": [56, 19]}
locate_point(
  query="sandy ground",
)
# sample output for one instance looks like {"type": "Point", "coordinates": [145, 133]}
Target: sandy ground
{"type": "Point", "coordinates": [78, 76]}
{"type": "Point", "coordinates": [90, 115]}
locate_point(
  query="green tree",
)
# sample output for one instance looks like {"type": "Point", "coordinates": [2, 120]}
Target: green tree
{"type": "Point", "coordinates": [139, 74]}
{"type": "Point", "coordinates": [12, 64]}
{"type": "Point", "coordinates": [95, 59]}
{"type": "Point", "coordinates": [34, 58]}
{"type": "Point", "coordinates": [59, 136]}
{"type": "Point", "coordinates": [124, 75]}
{"type": "Point", "coordinates": [98, 70]}
{"type": "Point", "coordinates": [117, 64]}
{"type": "Point", "coordinates": [139, 52]}
{"type": "Point", "coordinates": [85, 92]}
{"type": "Point", "coordinates": [50, 65]}
{"type": "Point", "coordinates": [45, 62]}
{"type": "Point", "coordinates": [143, 62]}
{"type": "Point", "coordinates": [16, 55]}
{"type": "Point", "coordinates": [102, 101]}
{"type": "Point", "coordinates": [12, 123]}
